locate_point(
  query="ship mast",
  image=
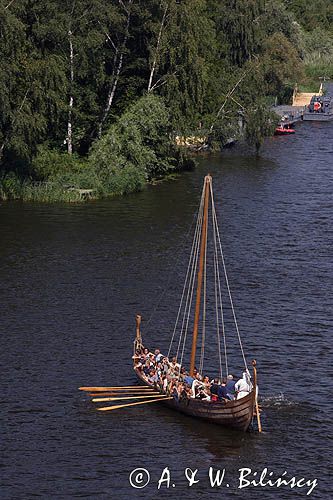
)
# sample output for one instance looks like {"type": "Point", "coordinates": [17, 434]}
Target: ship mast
{"type": "Point", "coordinates": [207, 183]}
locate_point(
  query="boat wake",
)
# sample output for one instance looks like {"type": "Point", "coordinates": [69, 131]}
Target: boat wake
{"type": "Point", "coordinates": [279, 400]}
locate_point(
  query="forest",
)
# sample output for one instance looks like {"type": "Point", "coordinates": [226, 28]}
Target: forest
{"type": "Point", "coordinates": [97, 94]}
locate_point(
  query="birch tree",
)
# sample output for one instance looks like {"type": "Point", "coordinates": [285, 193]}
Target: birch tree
{"type": "Point", "coordinates": [158, 49]}
{"type": "Point", "coordinates": [119, 49]}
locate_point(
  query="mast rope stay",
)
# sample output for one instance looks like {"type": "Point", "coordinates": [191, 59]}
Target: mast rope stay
{"type": "Point", "coordinates": [188, 273]}
{"type": "Point", "coordinates": [202, 353]}
{"type": "Point", "coordinates": [226, 279]}
{"type": "Point", "coordinates": [198, 260]}
{"type": "Point", "coordinates": [218, 280]}
{"type": "Point", "coordinates": [192, 283]}
{"type": "Point", "coordinates": [162, 295]}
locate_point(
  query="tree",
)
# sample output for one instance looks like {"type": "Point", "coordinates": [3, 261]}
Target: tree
{"type": "Point", "coordinates": [184, 64]}
{"type": "Point", "coordinates": [280, 62]}
{"type": "Point", "coordinates": [259, 123]}
{"type": "Point", "coordinates": [237, 22]}
{"type": "Point", "coordinates": [118, 45]}
{"type": "Point", "coordinates": [139, 140]}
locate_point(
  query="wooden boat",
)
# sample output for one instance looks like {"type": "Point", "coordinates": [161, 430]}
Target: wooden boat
{"type": "Point", "coordinates": [237, 413]}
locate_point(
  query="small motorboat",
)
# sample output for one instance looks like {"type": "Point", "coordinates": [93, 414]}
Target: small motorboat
{"type": "Point", "coordinates": [282, 130]}
{"type": "Point", "coordinates": [320, 109]}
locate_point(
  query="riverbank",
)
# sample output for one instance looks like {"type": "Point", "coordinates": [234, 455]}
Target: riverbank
{"type": "Point", "coordinates": [27, 190]}
{"type": "Point", "coordinates": [136, 150]}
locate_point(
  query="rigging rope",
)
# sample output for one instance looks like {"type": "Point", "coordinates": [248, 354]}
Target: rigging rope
{"type": "Point", "coordinates": [202, 353]}
{"type": "Point", "coordinates": [188, 291]}
{"type": "Point", "coordinates": [186, 279]}
{"type": "Point", "coordinates": [191, 296]}
{"type": "Point", "coordinates": [191, 261]}
{"type": "Point", "coordinates": [226, 279]}
{"type": "Point", "coordinates": [215, 229]}
{"type": "Point", "coordinates": [216, 281]}
{"type": "Point", "coordinates": [162, 295]}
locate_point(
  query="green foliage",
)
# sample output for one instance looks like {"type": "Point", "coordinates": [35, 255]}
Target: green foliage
{"type": "Point", "coordinates": [281, 63]}
{"type": "Point", "coordinates": [238, 22]}
{"type": "Point", "coordinates": [312, 14]}
{"type": "Point", "coordinates": [10, 186]}
{"type": "Point", "coordinates": [50, 163]}
{"type": "Point", "coordinates": [207, 61]}
{"type": "Point", "coordinates": [139, 141]}
{"type": "Point", "coordinates": [318, 47]}
{"type": "Point", "coordinates": [259, 123]}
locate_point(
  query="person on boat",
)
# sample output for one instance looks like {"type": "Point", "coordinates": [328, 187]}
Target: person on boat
{"type": "Point", "coordinates": [174, 363]}
{"type": "Point", "coordinates": [137, 363]}
{"type": "Point", "coordinates": [160, 382]}
{"type": "Point", "coordinates": [230, 387]}
{"type": "Point", "coordinates": [243, 386]}
{"type": "Point", "coordinates": [222, 391]}
{"type": "Point", "coordinates": [203, 395]}
{"type": "Point", "coordinates": [206, 382]}
{"type": "Point", "coordinates": [196, 385]}
{"type": "Point", "coordinates": [188, 379]}
{"type": "Point", "coordinates": [147, 367]}
{"type": "Point", "coordinates": [165, 364]}
{"type": "Point", "coordinates": [158, 355]}
{"type": "Point", "coordinates": [152, 377]}
{"type": "Point", "coordinates": [159, 369]}
{"type": "Point", "coordinates": [214, 388]}
{"type": "Point", "coordinates": [177, 390]}
{"type": "Point", "coordinates": [144, 355]}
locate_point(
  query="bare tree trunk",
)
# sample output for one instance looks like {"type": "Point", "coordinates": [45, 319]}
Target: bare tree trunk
{"type": "Point", "coordinates": [1, 149]}
{"type": "Point", "coordinates": [10, 3]}
{"type": "Point", "coordinates": [153, 68]}
{"type": "Point", "coordinates": [71, 98]}
{"type": "Point", "coordinates": [116, 72]}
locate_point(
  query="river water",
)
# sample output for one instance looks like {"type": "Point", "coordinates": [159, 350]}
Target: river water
{"type": "Point", "coordinates": [72, 278]}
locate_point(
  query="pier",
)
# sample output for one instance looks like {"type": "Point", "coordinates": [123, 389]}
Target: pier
{"type": "Point", "coordinates": [294, 112]}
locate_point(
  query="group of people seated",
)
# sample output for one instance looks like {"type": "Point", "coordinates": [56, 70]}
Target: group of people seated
{"type": "Point", "coordinates": [171, 378]}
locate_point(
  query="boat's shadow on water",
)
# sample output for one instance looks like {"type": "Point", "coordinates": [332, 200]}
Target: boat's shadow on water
{"type": "Point", "coordinates": [221, 443]}
{"type": "Point", "coordinates": [218, 441]}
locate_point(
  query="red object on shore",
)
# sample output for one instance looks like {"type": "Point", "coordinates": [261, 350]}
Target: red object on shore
{"type": "Point", "coordinates": [284, 131]}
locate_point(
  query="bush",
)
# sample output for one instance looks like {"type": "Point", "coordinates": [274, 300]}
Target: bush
{"type": "Point", "coordinates": [50, 163]}
{"type": "Point", "coordinates": [10, 186]}
{"type": "Point", "coordinates": [140, 140]}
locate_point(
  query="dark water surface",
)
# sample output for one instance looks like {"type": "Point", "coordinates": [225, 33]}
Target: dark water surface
{"type": "Point", "coordinates": [73, 277]}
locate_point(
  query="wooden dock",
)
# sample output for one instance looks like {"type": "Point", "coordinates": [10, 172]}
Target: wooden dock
{"type": "Point", "coordinates": [289, 114]}
{"type": "Point", "coordinates": [84, 194]}
{"type": "Point", "coordinates": [304, 98]}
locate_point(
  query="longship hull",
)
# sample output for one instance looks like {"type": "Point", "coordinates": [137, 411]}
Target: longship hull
{"type": "Point", "coordinates": [235, 414]}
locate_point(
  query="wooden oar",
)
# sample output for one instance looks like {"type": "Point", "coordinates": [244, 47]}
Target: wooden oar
{"type": "Point", "coordinates": [103, 389]}
{"type": "Point", "coordinates": [99, 400]}
{"type": "Point", "coordinates": [254, 364]}
{"type": "Point", "coordinates": [118, 393]}
{"type": "Point", "coordinates": [107, 408]}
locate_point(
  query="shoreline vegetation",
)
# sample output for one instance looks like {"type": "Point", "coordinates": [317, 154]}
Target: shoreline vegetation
{"type": "Point", "coordinates": [98, 97]}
